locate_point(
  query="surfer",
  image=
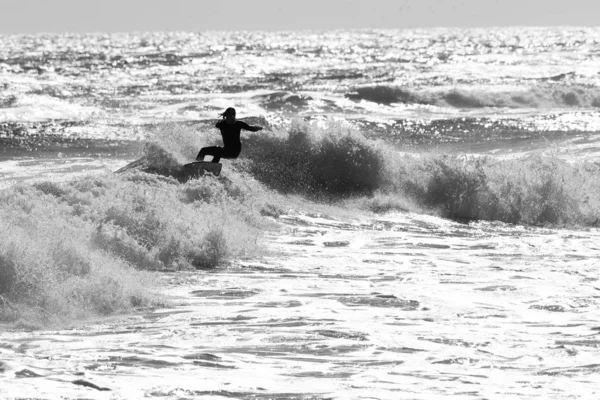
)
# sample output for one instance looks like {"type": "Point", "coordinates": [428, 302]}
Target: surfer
{"type": "Point", "coordinates": [230, 131]}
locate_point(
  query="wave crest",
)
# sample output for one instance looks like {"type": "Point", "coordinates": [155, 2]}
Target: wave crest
{"type": "Point", "coordinates": [331, 160]}
{"type": "Point", "coordinates": [334, 162]}
{"type": "Point", "coordinates": [538, 97]}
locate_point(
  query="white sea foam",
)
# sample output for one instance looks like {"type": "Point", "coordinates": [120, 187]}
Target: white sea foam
{"type": "Point", "coordinates": [43, 108]}
{"type": "Point", "coordinates": [364, 308]}
{"type": "Point", "coordinates": [60, 169]}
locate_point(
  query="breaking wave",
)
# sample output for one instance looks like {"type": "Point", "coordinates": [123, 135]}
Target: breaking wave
{"type": "Point", "coordinates": [332, 161]}
{"type": "Point", "coordinates": [115, 228]}
{"type": "Point", "coordinates": [335, 162]}
{"type": "Point", "coordinates": [537, 97]}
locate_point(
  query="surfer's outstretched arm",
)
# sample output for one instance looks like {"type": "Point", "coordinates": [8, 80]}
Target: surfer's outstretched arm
{"type": "Point", "coordinates": [250, 128]}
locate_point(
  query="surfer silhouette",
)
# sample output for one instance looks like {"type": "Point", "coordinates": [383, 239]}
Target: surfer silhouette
{"type": "Point", "coordinates": [230, 131]}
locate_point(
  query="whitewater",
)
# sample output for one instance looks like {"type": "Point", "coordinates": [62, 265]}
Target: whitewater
{"type": "Point", "coordinates": [418, 220]}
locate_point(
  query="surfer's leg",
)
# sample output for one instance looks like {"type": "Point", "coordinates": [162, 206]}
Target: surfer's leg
{"type": "Point", "coordinates": [201, 154]}
{"type": "Point", "coordinates": [214, 151]}
{"type": "Point", "coordinates": [231, 153]}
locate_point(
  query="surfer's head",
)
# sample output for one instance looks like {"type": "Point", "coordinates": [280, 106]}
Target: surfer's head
{"type": "Point", "coordinates": [228, 114]}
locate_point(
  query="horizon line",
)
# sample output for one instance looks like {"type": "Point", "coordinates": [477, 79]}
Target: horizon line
{"type": "Point", "coordinates": [425, 27]}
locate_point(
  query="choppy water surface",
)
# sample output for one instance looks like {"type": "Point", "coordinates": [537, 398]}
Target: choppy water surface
{"type": "Point", "coordinates": [520, 84]}
{"type": "Point", "coordinates": [404, 306]}
{"type": "Point", "coordinates": [380, 307]}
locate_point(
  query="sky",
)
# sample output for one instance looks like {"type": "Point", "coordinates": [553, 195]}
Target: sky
{"type": "Point", "coordinates": [30, 16]}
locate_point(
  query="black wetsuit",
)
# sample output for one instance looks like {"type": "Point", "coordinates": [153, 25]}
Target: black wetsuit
{"type": "Point", "coordinates": [232, 146]}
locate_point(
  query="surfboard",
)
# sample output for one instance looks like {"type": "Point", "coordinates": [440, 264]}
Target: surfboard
{"type": "Point", "coordinates": [200, 168]}
{"type": "Point", "coordinates": [181, 173]}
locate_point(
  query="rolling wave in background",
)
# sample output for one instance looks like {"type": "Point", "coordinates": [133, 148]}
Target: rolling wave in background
{"type": "Point", "coordinates": [535, 97]}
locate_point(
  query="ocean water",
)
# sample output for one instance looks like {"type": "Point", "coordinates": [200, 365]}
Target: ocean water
{"type": "Point", "coordinates": [488, 90]}
{"type": "Point", "coordinates": [419, 218]}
